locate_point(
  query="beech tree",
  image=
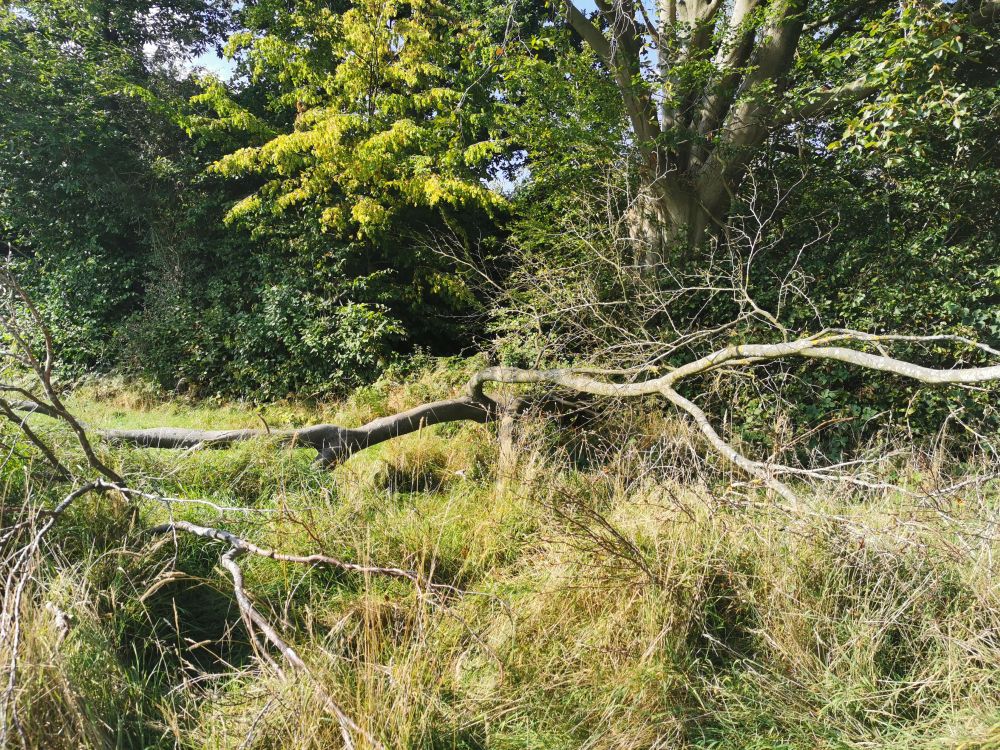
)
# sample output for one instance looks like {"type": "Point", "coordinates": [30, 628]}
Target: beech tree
{"type": "Point", "coordinates": [707, 83]}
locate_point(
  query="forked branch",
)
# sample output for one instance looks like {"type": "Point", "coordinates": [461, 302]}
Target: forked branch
{"type": "Point", "coordinates": [256, 623]}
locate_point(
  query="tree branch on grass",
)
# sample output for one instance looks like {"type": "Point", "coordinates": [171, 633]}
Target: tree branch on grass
{"type": "Point", "coordinates": [335, 444]}
{"type": "Point", "coordinates": [254, 621]}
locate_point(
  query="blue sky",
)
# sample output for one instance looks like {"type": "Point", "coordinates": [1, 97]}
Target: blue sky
{"type": "Point", "coordinates": [214, 64]}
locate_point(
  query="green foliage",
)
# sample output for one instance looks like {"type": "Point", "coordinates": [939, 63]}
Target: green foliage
{"type": "Point", "coordinates": [392, 113]}
{"type": "Point", "coordinates": [906, 188]}
{"type": "Point", "coordinates": [115, 215]}
{"type": "Point", "coordinates": [925, 66]}
{"type": "Point", "coordinates": [563, 120]}
{"type": "Point", "coordinates": [351, 135]}
{"type": "Point", "coordinates": [281, 320]}
{"type": "Point", "coordinates": [78, 167]}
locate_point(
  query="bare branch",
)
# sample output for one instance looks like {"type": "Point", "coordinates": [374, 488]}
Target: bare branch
{"type": "Point", "coordinates": [8, 409]}
{"type": "Point", "coordinates": [826, 100]}
{"type": "Point", "coordinates": [252, 618]}
{"type": "Point", "coordinates": [245, 547]}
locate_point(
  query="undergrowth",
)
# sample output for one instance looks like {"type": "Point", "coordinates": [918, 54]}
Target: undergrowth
{"type": "Point", "coordinates": [619, 603]}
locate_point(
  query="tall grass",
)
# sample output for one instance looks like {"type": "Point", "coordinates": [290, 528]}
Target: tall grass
{"type": "Point", "coordinates": [608, 604]}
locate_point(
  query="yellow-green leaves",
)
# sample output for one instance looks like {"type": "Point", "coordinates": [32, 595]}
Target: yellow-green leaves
{"type": "Point", "coordinates": [384, 117]}
{"type": "Point", "coordinates": [482, 152]}
{"type": "Point", "coordinates": [228, 116]}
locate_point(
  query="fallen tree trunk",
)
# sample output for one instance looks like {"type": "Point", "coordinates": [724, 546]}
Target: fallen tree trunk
{"type": "Point", "coordinates": [334, 444]}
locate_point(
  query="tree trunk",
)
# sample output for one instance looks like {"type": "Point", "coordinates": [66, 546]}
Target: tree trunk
{"type": "Point", "coordinates": [665, 228]}
{"type": "Point", "coordinates": [650, 231]}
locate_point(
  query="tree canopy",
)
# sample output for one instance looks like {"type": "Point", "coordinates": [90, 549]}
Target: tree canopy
{"type": "Point", "coordinates": [376, 176]}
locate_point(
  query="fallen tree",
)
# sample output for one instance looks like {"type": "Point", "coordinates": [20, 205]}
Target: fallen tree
{"type": "Point", "coordinates": [334, 443]}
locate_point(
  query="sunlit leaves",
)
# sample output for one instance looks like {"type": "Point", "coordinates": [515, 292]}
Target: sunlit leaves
{"type": "Point", "coordinates": [917, 58]}
{"type": "Point", "coordinates": [388, 104]}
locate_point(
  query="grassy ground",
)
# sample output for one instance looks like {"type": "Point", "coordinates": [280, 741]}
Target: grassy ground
{"type": "Point", "coordinates": [615, 606]}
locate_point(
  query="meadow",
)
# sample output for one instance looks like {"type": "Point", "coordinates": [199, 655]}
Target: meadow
{"type": "Point", "coordinates": [643, 600]}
